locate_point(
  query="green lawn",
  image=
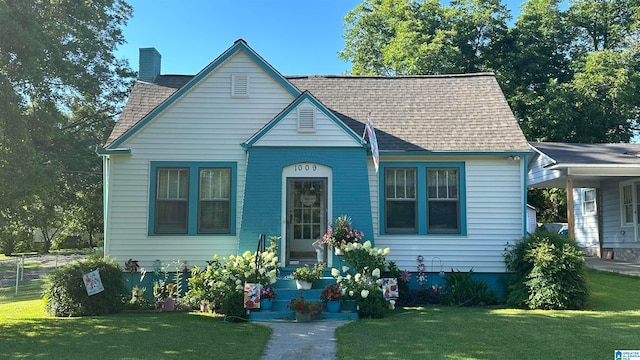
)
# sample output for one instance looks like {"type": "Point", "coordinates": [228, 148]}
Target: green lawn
{"type": "Point", "coordinates": [611, 323]}
{"type": "Point", "coordinates": [26, 332]}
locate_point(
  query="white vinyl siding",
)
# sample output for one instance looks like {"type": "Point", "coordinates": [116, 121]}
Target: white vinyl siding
{"type": "Point", "coordinates": [495, 216]}
{"type": "Point", "coordinates": [327, 133]}
{"type": "Point", "coordinates": [205, 125]}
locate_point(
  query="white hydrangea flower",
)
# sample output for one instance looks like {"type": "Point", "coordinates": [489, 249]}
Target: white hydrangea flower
{"type": "Point", "coordinates": [375, 273]}
{"type": "Point", "coordinates": [238, 282]}
{"type": "Point", "coordinates": [239, 288]}
{"type": "Point", "coordinates": [350, 292]}
{"type": "Point", "coordinates": [335, 272]}
{"type": "Point", "coordinates": [386, 251]}
{"type": "Point", "coordinates": [345, 268]}
{"type": "Point", "coordinates": [358, 277]}
{"type": "Point", "coordinates": [392, 304]}
{"type": "Point", "coordinates": [367, 244]}
{"type": "Point", "coordinates": [339, 278]}
{"type": "Point", "coordinates": [364, 293]}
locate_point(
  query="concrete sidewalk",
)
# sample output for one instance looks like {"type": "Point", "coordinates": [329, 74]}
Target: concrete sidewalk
{"type": "Point", "coordinates": [613, 266]}
{"type": "Point", "coordinates": [302, 341]}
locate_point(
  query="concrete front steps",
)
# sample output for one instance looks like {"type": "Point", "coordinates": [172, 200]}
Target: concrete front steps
{"type": "Point", "coordinates": [286, 290]}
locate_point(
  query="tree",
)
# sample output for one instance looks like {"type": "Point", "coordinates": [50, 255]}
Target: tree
{"type": "Point", "coordinates": [60, 90]}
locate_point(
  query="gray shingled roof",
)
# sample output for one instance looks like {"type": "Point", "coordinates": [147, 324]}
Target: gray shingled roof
{"type": "Point", "coordinates": [465, 113]}
{"type": "Point", "coordinates": [590, 154]}
{"type": "Point", "coordinates": [143, 99]}
{"type": "Point", "coordinates": [435, 113]}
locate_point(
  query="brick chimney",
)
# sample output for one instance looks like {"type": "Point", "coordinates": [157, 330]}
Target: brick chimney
{"type": "Point", "coordinates": [150, 60]}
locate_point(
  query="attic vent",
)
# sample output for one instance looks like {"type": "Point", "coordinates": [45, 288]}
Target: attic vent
{"type": "Point", "coordinates": [239, 85]}
{"type": "Point", "coordinates": [306, 120]}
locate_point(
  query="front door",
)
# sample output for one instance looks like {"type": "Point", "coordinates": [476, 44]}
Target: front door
{"type": "Point", "coordinates": [306, 221]}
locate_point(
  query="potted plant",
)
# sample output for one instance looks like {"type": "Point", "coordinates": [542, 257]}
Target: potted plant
{"type": "Point", "coordinates": [305, 276]}
{"type": "Point", "coordinates": [341, 233]}
{"type": "Point", "coordinates": [332, 296]}
{"type": "Point", "coordinates": [267, 294]}
{"type": "Point", "coordinates": [305, 310]}
{"type": "Point", "coordinates": [165, 295]}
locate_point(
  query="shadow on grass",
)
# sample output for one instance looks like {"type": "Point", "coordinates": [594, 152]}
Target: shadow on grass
{"type": "Point", "coordinates": [132, 336]}
{"type": "Point", "coordinates": [490, 333]}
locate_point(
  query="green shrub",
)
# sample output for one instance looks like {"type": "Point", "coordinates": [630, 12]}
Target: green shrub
{"type": "Point", "coordinates": [548, 272]}
{"type": "Point", "coordinates": [462, 289]}
{"type": "Point", "coordinates": [233, 307]}
{"type": "Point", "coordinates": [66, 295]}
{"type": "Point", "coordinates": [361, 280]}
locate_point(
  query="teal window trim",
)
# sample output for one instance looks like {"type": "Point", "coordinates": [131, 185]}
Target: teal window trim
{"type": "Point", "coordinates": [194, 177]}
{"type": "Point", "coordinates": [421, 191]}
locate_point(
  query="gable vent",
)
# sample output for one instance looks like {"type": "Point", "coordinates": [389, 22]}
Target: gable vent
{"type": "Point", "coordinates": [306, 120]}
{"type": "Point", "coordinates": [239, 85]}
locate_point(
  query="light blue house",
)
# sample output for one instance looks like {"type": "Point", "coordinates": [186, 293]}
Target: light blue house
{"type": "Point", "coordinates": [201, 165]}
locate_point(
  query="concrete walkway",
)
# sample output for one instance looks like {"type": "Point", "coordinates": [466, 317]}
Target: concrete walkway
{"type": "Point", "coordinates": [613, 266]}
{"type": "Point", "coordinates": [302, 341]}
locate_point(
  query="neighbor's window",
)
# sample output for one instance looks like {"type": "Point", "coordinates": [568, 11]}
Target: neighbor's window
{"type": "Point", "coordinates": [172, 201]}
{"type": "Point", "coordinates": [214, 200]}
{"type": "Point", "coordinates": [443, 201]}
{"type": "Point", "coordinates": [589, 201]}
{"type": "Point", "coordinates": [400, 200]}
{"type": "Point", "coordinates": [627, 205]}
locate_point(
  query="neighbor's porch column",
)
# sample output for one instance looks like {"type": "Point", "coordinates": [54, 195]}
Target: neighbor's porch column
{"type": "Point", "coordinates": [570, 210]}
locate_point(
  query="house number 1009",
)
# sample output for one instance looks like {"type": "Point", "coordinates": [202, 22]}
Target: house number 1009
{"type": "Point", "coordinates": [305, 167]}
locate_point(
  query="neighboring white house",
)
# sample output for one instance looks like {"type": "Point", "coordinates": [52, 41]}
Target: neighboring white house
{"type": "Point", "coordinates": [201, 165]}
{"type": "Point", "coordinates": [605, 182]}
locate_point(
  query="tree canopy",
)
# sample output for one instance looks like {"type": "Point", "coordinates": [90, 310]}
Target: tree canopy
{"type": "Point", "coordinates": [61, 88]}
{"type": "Point", "coordinates": [569, 73]}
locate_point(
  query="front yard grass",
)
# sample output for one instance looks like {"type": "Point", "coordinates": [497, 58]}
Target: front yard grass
{"type": "Point", "coordinates": [611, 323]}
{"type": "Point", "coordinates": [27, 332]}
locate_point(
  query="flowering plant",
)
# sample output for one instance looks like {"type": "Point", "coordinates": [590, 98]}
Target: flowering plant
{"type": "Point", "coordinates": [267, 292]}
{"type": "Point", "coordinates": [303, 306]}
{"type": "Point", "coordinates": [341, 233]}
{"type": "Point", "coordinates": [308, 274]}
{"type": "Point", "coordinates": [331, 292]}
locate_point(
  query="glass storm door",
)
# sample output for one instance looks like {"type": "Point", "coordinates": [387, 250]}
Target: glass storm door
{"type": "Point", "coordinates": [306, 220]}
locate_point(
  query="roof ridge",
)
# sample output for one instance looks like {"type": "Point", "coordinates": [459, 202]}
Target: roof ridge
{"type": "Point", "coordinates": [461, 75]}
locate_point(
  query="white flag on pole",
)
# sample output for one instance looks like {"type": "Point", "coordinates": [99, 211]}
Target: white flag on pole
{"type": "Point", "coordinates": [373, 141]}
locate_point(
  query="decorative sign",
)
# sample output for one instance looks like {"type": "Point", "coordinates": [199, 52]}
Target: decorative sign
{"type": "Point", "coordinates": [251, 296]}
{"type": "Point", "coordinates": [93, 283]}
{"type": "Point", "coordinates": [390, 288]}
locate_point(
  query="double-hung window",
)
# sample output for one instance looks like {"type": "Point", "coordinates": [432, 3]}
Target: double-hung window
{"type": "Point", "coordinates": [214, 201]}
{"type": "Point", "coordinates": [588, 201]}
{"type": "Point", "coordinates": [423, 198]}
{"type": "Point", "coordinates": [172, 201]}
{"type": "Point", "coordinates": [401, 203]}
{"type": "Point", "coordinates": [626, 193]}
{"type": "Point", "coordinates": [443, 201]}
{"type": "Point", "coordinates": [192, 198]}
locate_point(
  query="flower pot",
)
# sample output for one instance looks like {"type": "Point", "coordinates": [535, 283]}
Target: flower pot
{"type": "Point", "coordinates": [169, 304]}
{"type": "Point", "coordinates": [333, 306]}
{"type": "Point", "coordinates": [204, 307]}
{"type": "Point", "coordinates": [303, 285]}
{"type": "Point", "coordinates": [266, 304]}
{"type": "Point", "coordinates": [300, 317]}
{"type": "Point", "coordinates": [338, 251]}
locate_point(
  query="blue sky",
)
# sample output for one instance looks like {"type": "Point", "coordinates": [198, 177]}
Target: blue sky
{"type": "Point", "coordinates": [297, 37]}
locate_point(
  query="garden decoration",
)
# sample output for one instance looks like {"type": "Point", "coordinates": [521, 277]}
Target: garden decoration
{"type": "Point", "coordinates": [252, 296]}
